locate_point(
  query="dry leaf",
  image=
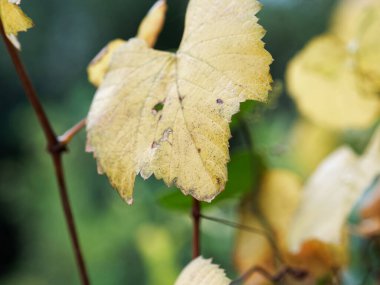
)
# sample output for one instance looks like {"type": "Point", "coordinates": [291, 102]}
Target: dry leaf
{"type": "Point", "coordinates": [329, 196]}
{"type": "Point", "coordinates": [149, 30]}
{"type": "Point", "coordinates": [14, 20]}
{"type": "Point", "coordinates": [167, 114]}
{"type": "Point", "coordinates": [201, 271]}
{"type": "Point", "coordinates": [335, 79]}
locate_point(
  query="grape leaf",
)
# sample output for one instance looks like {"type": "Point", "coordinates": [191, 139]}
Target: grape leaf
{"type": "Point", "coordinates": [201, 271]}
{"type": "Point", "coordinates": [167, 114]}
{"type": "Point", "coordinates": [335, 79]}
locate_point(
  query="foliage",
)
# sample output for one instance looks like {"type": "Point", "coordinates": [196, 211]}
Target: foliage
{"type": "Point", "coordinates": [305, 202]}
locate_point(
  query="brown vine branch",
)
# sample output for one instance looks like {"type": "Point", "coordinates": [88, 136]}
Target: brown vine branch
{"type": "Point", "coordinates": [196, 214]}
{"type": "Point", "coordinates": [55, 149]}
{"type": "Point", "coordinates": [297, 274]}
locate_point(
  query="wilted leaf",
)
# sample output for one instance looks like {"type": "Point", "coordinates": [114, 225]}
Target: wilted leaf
{"type": "Point", "coordinates": [202, 272]}
{"type": "Point", "coordinates": [335, 79]}
{"type": "Point", "coordinates": [167, 114]}
{"type": "Point", "coordinates": [149, 30]}
{"type": "Point", "coordinates": [329, 196]}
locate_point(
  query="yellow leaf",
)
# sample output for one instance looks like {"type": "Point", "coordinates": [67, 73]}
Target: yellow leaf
{"type": "Point", "coordinates": [167, 114]}
{"type": "Point", "coordinates": [100, 64]}
{"type": "Point", "coordinates": [276, 202]}
{"type": "Point", "coordinates": [149, 30]}
{"type": "Point", "coordinates": [153, 23]}
{"type": "Point", "coordinates": [13, 19]}
{"type": "Point", "coordinates": [327, 89]}
{"type": "Point", "coordinates": [335, 80]}
{"type": "Point", "coordinates": [309, 145]}
{"type": "Point", "coordinates": [329, 196]}
{"type": "Point", "coordinates": [202, 272]}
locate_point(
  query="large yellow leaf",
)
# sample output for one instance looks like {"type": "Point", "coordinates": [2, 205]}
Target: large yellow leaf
{"type": "Point", "coordinates": [335, 79]}
{"type": "Point", "coordinates": [167, 114]}
{"type": "Point", "coordinates": [14, 20]}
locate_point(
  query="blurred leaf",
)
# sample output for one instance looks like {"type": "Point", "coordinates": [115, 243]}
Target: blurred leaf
{"type": "Point", "coordinates": [309, 144]}
{"type": "Point", "coordinates": [328, 198]}
{"type": "Point", "coordinates": [337, 73]}
{"type": "Point", "coordinates": [168, 114]}
{"type": "Point", "coordinates": [158, 250]}
{"type": "Point", "coordinates": [201, 271]}
{"type": "Point", "coordinates": [269, 212]}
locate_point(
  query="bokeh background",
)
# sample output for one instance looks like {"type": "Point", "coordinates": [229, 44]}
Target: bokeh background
{"type": "Point", "coordinates": [149, 242]}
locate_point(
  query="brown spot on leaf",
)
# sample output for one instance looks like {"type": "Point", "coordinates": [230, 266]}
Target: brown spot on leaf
{"type": "Point", "coordinates": [219, 101]}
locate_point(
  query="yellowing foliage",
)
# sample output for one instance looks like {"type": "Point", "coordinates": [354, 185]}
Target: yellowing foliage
{"type": "Point", "coordinates": [309, 145]}
{"type": "Point", "coordinates": [330, 194]}
{"type": "Point", "coordinates": [100, 64]}
{"type": "Point", "coordinates": [335, 79]}
{"type": "Point", "coordinates": [167, 114]}
{"type": "Point", "coordinates": [13, 19]}
{"type": "Point", "coordinates": [201, 271]}
{"type": "Point", "coordinates": [153, 23]}
{"type": "Point", "coordinates": [149, 30]}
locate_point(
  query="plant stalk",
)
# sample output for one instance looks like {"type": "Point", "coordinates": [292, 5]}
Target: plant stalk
{"type": "Point", "coordinates": [55, 149]}
{"type": "Point", "coordinates": [196, 214]}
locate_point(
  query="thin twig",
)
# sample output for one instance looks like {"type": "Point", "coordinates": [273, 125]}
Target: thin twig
{"type": "Point", "coordinates": [66, 138]}
{"type": "Point", "coordinates": [297, 274]}
{"type": "Point", "coordinates": [196, 213]}
{"type": "Point", "coordinates": [55, 149]}
{"type": "Point", "coordinates": [259, 231]}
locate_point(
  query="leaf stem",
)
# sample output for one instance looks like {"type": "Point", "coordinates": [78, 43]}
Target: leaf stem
{"type": "Point", "coordinates": [196, 214]}
{"type": "Point", "coordinates": [55, 149]}
{"type": "Point", "coordinates": [66, 138]}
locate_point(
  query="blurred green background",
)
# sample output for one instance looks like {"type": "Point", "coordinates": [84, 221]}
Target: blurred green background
{"type": "Point", "coordinates": [147, 243]}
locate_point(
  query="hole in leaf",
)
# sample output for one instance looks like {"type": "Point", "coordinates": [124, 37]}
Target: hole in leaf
{"type": "Point", "coordinates": [158, 107]}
